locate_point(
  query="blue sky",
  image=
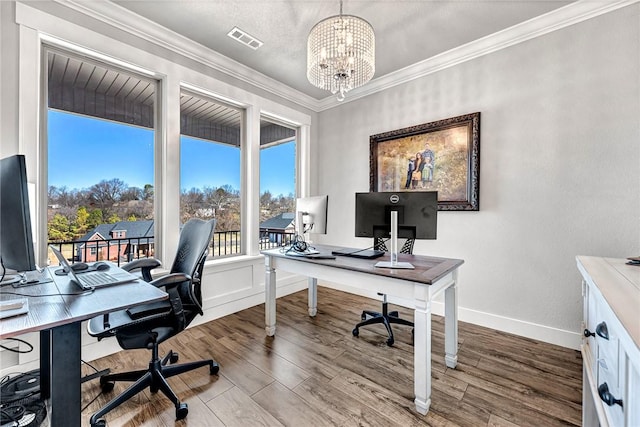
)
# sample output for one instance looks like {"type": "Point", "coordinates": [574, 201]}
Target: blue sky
{"type": "Point", "coordinates": [83, 151]}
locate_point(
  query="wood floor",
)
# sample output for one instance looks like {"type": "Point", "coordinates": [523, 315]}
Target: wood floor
{"type": "Point", "coordinates": [315, 373]}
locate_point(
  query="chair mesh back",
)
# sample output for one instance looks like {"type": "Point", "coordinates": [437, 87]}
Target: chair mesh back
{"type": "Point", "coordinates": [194, 241]}
{"type": "Point", "coordinates": [380, 245]}
{"type": "Point", "coordinates": [190, 257]}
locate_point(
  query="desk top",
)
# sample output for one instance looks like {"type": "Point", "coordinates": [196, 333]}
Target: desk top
{"type": "Point", "coordinates": [427, 269]}
{"type": "Point", "coordinates": [48, 309]}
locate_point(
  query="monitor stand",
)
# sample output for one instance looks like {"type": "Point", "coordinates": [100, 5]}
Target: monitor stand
{"type": "Point", "coordinates": [394, 263]}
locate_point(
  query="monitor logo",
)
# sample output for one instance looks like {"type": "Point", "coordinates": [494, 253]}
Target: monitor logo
{"type": "Point", "coordinates": [394, 198]}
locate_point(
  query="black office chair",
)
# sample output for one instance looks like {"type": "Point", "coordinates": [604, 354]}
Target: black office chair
{"type": "Point", "coordinates": [148, 325]}
{"type": "Point", "coordinates": [386, 317]}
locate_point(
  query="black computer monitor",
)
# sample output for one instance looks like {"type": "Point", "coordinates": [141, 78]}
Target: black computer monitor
{"type": "Point", "coordinates": [16, 240]}
{"type": "Point", "coordinates": [417, 214]}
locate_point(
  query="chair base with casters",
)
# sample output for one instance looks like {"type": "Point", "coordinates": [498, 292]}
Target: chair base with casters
{"type": "Point", "coordinates": [155, 377]}
{"type": "Point", "coordinates": [386, 318]}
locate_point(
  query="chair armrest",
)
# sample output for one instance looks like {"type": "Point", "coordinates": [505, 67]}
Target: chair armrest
{"type": "Point", "coordinates": [170, 279]}
{"type": "Point", "coordinates": [144, 264]}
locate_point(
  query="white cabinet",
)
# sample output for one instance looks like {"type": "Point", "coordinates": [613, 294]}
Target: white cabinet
{"type": "Point", "coordinates": [611, 342]}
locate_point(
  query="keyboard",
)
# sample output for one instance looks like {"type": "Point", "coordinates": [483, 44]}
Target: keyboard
{"type": "Point", "coordinates": [100, 279]}
{"type": "Point", "coordinates": [358, 253]}
{"type": "Point", "coordinates": [95, 280]}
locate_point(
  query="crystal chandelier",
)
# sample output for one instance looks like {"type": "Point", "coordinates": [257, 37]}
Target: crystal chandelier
{"type": "Point", "coordinates": [341, 53]}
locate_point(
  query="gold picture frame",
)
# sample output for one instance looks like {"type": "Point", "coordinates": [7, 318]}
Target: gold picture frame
{"type": "Point", "coordinates": [445, 154]}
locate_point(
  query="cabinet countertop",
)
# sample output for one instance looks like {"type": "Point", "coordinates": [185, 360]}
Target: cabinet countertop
{"type": "Point", "coordinates": [619, 284]}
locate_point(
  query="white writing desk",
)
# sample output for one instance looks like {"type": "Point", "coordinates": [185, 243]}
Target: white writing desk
{"type": "Point", "coordinates": [58, 319]}
{"type": "Point", "coordinates": [430, 277]}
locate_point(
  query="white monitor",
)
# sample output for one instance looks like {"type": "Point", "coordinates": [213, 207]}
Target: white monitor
{"type": "Point", "coordinates": [311, 215]}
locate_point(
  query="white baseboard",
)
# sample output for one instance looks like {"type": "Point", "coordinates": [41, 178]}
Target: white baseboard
{"type": "Point", "coordinates": [563, 338]}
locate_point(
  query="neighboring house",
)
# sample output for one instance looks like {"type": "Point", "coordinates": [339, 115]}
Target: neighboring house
{"type": "Point", "coordinates": [276, 229]}
{"type": "Point", "coordinates": [124, 240]}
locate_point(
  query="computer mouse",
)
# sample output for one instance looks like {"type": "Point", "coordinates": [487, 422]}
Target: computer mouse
{"type": "Point", "coordinates": [101, 266]}
{"type": "Point", "coordinates": [78, 266]}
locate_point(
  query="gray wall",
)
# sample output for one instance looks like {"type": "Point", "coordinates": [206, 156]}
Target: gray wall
{"type": "Point", "coordinates": [559, 175]}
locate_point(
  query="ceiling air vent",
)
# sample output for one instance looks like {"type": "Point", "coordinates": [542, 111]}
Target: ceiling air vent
{"type": "Point", "coordinates": [244, 38]}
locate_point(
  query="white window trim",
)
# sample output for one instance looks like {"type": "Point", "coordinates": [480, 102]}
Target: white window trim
{"type": "Point", "coordinates": [37, 26]}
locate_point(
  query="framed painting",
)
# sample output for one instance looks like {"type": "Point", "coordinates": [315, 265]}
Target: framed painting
{"type": "Point", "coordinates": [442, 156]}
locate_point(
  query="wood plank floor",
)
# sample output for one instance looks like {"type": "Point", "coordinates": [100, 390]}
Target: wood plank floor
{"type": "Point", "coordinates": [315, 373]}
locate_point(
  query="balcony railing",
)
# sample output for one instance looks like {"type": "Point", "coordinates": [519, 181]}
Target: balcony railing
{"type": "Point", "coordinates": [123, 250]}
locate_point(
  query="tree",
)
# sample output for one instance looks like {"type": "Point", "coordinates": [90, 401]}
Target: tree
{"type": "Point", "coordinates": [59, 228]}
{"type": "Point", "coordinates": [81, 222]}
{"type": "Point", "coordinates": [105, 193]}
{"type": "Point", "coordinates": [131, 193]}
{"type": "Point", "coordinates": [95, 218]}
{"type": "Point", "coordinates": [190, 202]}
{"type": "Point", "coordinates": [113, 218]}
{"type": "Point", "coordinates": [147, 192]}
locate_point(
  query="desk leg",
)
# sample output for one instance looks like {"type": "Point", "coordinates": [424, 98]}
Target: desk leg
{"type": "Point", "coordinates": [451, 323]}
{"type": "Point", "coordinates": [422, 356]}
{"type": "Point", "coordinates": [270, 297]}
{"type": "Point", "coordinates": [313, 296]}
{"type": "Point", "coordinates": [65, 375]}
{"type": "Point", "coordinates": [45, 363]}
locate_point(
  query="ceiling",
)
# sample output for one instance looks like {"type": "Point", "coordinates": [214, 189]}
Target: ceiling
{"type": "Point", "coordinates": [407, 31]}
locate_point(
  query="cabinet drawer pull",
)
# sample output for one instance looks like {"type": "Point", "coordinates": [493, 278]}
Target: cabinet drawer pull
{"type": "Point", "coordinates": [602, 330]}
{"type": "Point", "coordinates": [606, 396]}
{"type": "Point", "coordinates": [587, 333]}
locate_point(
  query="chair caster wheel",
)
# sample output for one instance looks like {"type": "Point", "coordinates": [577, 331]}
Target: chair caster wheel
{"type": "Point", "coordinates": [107, 386]}
{"type": "Point", "coordinates": [100, 423]}
{"type": "Point", "coordinates": [213, 369]}
{"type": "Point", "coordinates": [390, 341]}
{"type": "Point", "coordinates": [181, 411]}
{"type": "Point", "coordinates": [355, 332]}
{"type": "Point", "coordinates": [173, 358]}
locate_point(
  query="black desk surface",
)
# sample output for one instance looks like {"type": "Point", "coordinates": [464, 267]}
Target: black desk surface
{"type": "Point", "coordinates": [53, 310]}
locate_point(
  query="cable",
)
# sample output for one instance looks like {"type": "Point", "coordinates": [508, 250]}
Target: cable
{"type": "Point", "coordinates": [30, 347]}
{"type": "Point", "coordinates": [96, 396]}
{"type": "Point", "coordinates": [370, 247]}
{"type": "Point", "coordinates": [297, 245]}
{"type": "Point", "coordinates": [88, 292]}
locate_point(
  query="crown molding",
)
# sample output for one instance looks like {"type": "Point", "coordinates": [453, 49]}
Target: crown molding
{"type": "Point", "coordinates": [129, 22]}
{"type": "Point", "coordinates": [555, 20]}
{"type": "Point", "coordinates": [125, 20]}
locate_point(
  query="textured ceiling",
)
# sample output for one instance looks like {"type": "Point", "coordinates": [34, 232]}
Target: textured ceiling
{"type": "Point", "coordinates": [407, 31]}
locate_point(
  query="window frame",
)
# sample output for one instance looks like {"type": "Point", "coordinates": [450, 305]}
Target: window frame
{"type": "Point", "coordinates": [207, 96]}
{"type": "Point", "coordinates": [37, 28]}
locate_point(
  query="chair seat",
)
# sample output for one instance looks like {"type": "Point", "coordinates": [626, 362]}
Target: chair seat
{"type": "Point", "coordinates": [118, 319]}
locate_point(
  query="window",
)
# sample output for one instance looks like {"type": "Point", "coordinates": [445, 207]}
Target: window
{"type": "Point", "coordinates": [277, 183]}
{"type": "Point", "coordinates": [210, 159]}
{"type": "Point", "coordinates": [100, 140]}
